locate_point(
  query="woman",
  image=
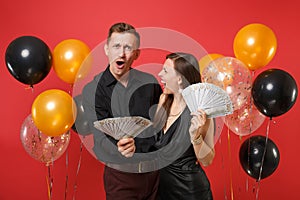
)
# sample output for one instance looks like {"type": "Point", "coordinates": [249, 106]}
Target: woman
{"type": "Point", "coordinates": [184, 178]}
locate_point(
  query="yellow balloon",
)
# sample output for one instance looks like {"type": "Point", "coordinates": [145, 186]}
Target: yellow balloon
{"type": "Point", "coordinates": [68, 56]}
{"type": "Point", "coordinates": [205, 60]}
{"type": "Point", "coordinates": [255, 45]}
{"type": "Point", "coordinates": [53, 112]}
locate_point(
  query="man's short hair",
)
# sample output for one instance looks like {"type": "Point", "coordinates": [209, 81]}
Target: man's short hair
{"type": "Point", "coordinates": [122, 28]}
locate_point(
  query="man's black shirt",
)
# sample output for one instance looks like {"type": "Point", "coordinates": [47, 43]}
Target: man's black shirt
{"type": "Point", "coordinates": [105, 97]}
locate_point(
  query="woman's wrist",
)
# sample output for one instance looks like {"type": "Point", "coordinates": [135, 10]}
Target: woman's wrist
{"type": "Point", "coordinates": [197, 140]}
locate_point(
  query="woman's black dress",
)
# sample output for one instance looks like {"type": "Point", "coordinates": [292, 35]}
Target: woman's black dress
{"type": "Point", "coordinates": [184, 178]}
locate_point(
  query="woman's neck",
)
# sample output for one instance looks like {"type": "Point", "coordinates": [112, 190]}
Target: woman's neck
{"type": "Point", "coordinates": [178, 99]}
{"type": "Point", "coordinates": [178, 105]}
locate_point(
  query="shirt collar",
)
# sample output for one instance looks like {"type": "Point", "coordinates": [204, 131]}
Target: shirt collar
{"type": "Point", "coordinates": [111, 80]}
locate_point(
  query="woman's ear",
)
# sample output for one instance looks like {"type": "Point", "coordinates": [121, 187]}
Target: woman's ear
{"type": "Point", "coordinates": [180, 80]}
{"type": "Point", "coordinates": [180, 84]}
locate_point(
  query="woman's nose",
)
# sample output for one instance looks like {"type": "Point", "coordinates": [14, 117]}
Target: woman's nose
{"type": "Point", "coordinates": [160, 74]}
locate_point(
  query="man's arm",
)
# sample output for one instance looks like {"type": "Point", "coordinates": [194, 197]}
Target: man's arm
{"type": "Point", "coordinates": [105, 149]}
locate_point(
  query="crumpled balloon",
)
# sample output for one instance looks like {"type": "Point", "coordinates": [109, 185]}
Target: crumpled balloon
{"type": "Point", "coordinates": [81, 124]}
{"type": "Point", "coordinates": [41, 147]}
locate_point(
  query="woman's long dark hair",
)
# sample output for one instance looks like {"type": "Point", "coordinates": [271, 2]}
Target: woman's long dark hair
{"type": "Point", "coordinates": [188, 67]}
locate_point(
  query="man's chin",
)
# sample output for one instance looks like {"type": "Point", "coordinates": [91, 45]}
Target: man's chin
{"type": "Point", "coordinates": [120, 67]}
{"type": "Point", "coordinates": [119, 72]}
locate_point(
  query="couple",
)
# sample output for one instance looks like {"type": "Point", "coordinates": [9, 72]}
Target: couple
{"type": "Point", "coordinates": [164, 161]}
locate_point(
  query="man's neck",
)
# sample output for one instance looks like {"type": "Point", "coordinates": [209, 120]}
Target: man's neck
{"type": "Point", "coordinates": [124, 79]}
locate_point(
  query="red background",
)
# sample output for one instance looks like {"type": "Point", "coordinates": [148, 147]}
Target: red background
{"type": "Point", "coordinates": [212, 23]}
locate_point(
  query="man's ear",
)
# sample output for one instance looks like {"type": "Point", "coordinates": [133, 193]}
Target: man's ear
{"type": "Point", "coordinates": [137, 53]}
{"type": "Point", "coordinates": [106, 49]}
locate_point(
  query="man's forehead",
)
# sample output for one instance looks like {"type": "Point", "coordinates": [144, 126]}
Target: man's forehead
{"type": "Point", "coordinates": [128, 38]}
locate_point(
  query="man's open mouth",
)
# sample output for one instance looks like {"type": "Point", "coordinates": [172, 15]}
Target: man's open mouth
{"type": "Point", "coordinates": [120, 63]}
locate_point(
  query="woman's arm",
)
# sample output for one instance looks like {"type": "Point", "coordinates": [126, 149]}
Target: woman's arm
{"type": "Point", "coordinates": [202, 137]}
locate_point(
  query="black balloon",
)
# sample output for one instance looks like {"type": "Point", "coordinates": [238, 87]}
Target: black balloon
{"type": "Point", "coordinates": [81, 124]}
{"type": "Point", "coordinates": [28, 59]}
{"type": "Point", "coordinates": [251, 157]}
{"type": "Point", "coordinates": [274, 92]}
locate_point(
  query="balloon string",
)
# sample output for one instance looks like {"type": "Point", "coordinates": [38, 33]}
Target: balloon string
{"type": "Point", "coordinates": [257, 190]}
{"type": "Point", "coordinates": [223, 167]}
{"type": "Point", "coordinates": [67, 176]}
{"type": "Point", "coordinates": [263, 158]}
{"type": "Point", "coordinates": [253, 74]}
{"type": "Point", "coordinates": [241, 169]}
{"type": "Point", "coordinates": [251, 111]}
{"type": "Point", "coordinates": [248, 160]}
{"type": "Point", "coordinates": [265, 149]}
{"type": "Point", "coordinates": [71, 88]}
{"type": "Point", "coordinates": [30, 87]}
{"type": "Point", "coordinates": [247, 184]}
{"type": "Point", "coordinates": [77, 172]}
{"type": "Point", "coordinates": [48, 187]}
{"type": "Point", "coordinates": [230, 171]}
{"type": "Point", "coordinates": [251, 108]}
{"type": "Point", "coordinates": [49, 180]}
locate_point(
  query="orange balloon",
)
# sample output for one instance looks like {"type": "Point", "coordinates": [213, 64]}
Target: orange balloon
{"type": "Point", "coordinates": [205, 60]}
{"type": "Point", "coordinates": [68, 56]}
{"type": "Point", "coordinates": [53, 112]}
{"type": "Point", "coordinates": [255, 45]}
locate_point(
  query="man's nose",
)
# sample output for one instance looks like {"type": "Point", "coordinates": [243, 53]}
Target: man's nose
{"type": "Point", "coordinates": [121, 52]}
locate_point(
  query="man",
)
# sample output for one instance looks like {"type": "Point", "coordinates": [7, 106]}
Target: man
{"type": "Point", "coordinates": [121, 91]}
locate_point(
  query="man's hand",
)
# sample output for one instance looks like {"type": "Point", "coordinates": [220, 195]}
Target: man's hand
{"type": "Point", "coordinates": [126, 147]}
